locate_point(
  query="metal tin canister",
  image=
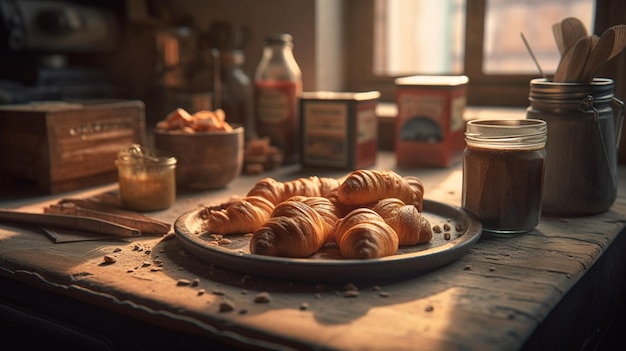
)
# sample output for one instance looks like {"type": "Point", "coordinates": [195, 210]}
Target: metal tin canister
{"type": "Point", "coordinates": [584, 128]}
{"type": "Point", "coordinates": [339, 129]}
{"type": "Point", "coordinates": [430, 123]}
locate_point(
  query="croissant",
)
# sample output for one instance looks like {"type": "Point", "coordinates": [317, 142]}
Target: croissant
{"type": "Point", "coordinates": [241, 216]}
{"type": "Point", "coordinates": [363, 234]}
{"type": "Point", "coordinates": [333, 197]}
{"type": "Point", "coordinates": [364, 187]}
{"type": "Point", "coordinates": [412, 228]}
{"type": "Point", "coordinates": [277, 192]}
{"type": "Point", "coordinates": [295, 229]}
{"type": "Point", "coordinates": [418, 187]}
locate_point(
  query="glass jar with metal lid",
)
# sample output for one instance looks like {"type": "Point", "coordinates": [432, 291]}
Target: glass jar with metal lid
{"type": "Point", "coordinates": [584, 127]}
{"type": "Point", "coordinates": [503, 166]}
{"type": "Point", "coordinates": [146, 182]}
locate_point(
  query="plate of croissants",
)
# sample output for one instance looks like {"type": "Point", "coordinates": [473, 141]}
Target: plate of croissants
{"type": "Point", "coordinates": [368, 225]}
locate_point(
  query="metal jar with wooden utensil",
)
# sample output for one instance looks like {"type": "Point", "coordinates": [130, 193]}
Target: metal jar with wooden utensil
{"type": "Point", "coordinates": [584, 127]}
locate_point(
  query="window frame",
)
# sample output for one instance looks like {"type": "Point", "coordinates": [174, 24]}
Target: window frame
{"type": "Point", "coordinates": [483, 89]}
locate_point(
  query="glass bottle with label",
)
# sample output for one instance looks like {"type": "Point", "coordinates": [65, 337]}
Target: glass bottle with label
{"type": "Point", "coordinates": [278, 86]}
{"type": "Point", "coordinates": [237, 92]}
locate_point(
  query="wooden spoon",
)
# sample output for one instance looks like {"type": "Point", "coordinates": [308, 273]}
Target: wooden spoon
{"type": "Point", "coordinates": [573, 62]}
{"type": "Point", "coordinates": [558, 37]}
{"type": "Point", "coordinates": [573, 29]}
{"type": "Point", "coordinates": [620, 40]}
{"type": "Point", "coordinates": [580, 56]}
{"type": "Point", "coordinates": [600, 53]}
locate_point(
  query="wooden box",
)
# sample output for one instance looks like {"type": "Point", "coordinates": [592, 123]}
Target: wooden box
{"type": "Point", "coordinates": [63, 146]}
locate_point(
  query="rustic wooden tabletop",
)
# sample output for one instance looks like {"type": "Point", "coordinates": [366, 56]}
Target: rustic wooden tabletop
{"type": "Point", "coordinates": [493, 298]}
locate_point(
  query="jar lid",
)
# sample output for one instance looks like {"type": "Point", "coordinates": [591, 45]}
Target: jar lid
{"type": "Point", "coordinates": [135, 154]}
{"type": "Point", "coordinates": [541, 89]}
{"type": "Point", "coordinates": [507, 134]}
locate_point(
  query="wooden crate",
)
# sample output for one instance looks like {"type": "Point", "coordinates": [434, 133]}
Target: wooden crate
{"type": "Point", "coordinates": [65, 146]}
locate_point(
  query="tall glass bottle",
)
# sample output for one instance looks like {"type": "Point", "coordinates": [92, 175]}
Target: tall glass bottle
{"type": "Point", "coordinates": [237, 92]}
{"type": "Point", "coordinates": [278, 86]}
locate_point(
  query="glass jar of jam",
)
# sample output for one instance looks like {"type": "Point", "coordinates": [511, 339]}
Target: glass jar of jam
{"type": "Point", "coordinates": [503, 166]}
{"type": "Point", "coordinates": [146, 182]}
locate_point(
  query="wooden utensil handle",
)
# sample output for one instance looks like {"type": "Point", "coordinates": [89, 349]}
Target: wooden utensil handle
{"type": "Point", "coordinates": [70, 222]}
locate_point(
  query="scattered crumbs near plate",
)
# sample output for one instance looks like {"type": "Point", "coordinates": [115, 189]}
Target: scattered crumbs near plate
{"type": "Point", "coordinates": [146, 264]}
{"type": "Point", "coordinates": [384, 294]}
{"type": "Point", "coordinates": [492, 269]}
{"type": "Point", "coordinates": [227, 306]}
{"type": "Point", "coordinates": [263, 297]}
{"type": "Point", "coordinates": [183, 282]}
{"type": "Point", "coordinates": [429, 308]}
{"type": "Point", "coordinates": [243, 311]}
{"type": "Point", "coordinates": [148, 252]}
{"type": "Point", "coordinates": [109, 259]}
{"type": "Point", "coordinates": [195, 282]}
{"type": "Point", "coordinates": [351, 293]}
{"type": "Point", "coordinates": [350, 286]}
{"type": "Point", "coordinates": [201, 292]}
{"type": "Point", "coordinates": [117, 249]}
{"type": "Point", "coordinates": [130, 270]}
{"type": "Point", "coordinates": [225, 241]}
{"type": "Point", "coordinates": [304, 306]}
{"type": "Point", "coordinates": [219, 292]}
{"type": "Point", "coordinates": [156, 269]}
{"type": "Point", "coordinates": [467, 267]}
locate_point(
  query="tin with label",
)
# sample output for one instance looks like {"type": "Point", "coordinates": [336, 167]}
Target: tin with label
{"type": "Point", "coordinates": [430, 126]}
{"type": "Point", "coordinates": [339, 129]}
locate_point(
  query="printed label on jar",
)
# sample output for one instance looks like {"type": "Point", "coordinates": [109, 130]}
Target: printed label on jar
{"type": "Point", "coordinates": [275, 101]}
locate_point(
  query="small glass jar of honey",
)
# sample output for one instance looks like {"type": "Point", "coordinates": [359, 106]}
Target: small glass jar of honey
{"type": "Point", "coordinates": [146, 182]}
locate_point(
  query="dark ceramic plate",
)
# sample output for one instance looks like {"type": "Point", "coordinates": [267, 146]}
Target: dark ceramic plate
{"type": "Point", "coordinates": [327, 265]}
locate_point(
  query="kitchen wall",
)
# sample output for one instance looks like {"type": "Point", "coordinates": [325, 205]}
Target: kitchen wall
{"type": "Point", "coordinates": [314, 24]}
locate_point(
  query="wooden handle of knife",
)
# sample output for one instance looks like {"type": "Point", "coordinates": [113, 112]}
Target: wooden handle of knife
{"type": "Point", "coordinates": [69, 222]}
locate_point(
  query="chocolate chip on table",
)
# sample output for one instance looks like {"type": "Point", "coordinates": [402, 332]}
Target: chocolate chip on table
{"type": "Point", "coordinates": [227, 306]}
{"type": "Point", "coordinates": [109, 259]}
{"type": "Point", "coordinates": [183, 282]}
{"type": "Point", "coordinates": [262, 297]}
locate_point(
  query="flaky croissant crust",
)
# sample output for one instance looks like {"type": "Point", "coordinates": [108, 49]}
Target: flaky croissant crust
{"type": "Point", "coordinates": [369, 214]}
{"type": "Point", "coordinates": [294, 229]}
{"type": "Point", "coordinates": [363, 234]}
{"type": "Point", "coordinates": [364, 187]}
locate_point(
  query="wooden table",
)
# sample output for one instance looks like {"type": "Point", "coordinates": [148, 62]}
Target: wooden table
{"type": "Point", "coordinates": [554, 288]}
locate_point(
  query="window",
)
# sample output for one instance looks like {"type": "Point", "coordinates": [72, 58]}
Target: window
{"type": "Point", "coordinates": [479, 38]}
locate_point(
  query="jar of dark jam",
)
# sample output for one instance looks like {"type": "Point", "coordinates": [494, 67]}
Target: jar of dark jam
{"type": "Point", "coordinates": [503, 166]}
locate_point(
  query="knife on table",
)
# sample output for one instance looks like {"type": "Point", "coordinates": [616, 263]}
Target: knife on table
{"type": "Point", "coordinates": [94, 225]}
{"type": "Point", "coordinates": [144, 224]}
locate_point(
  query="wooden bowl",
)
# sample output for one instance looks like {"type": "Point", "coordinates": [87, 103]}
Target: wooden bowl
{"type": "Point", "coordinates": [205, 160]}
